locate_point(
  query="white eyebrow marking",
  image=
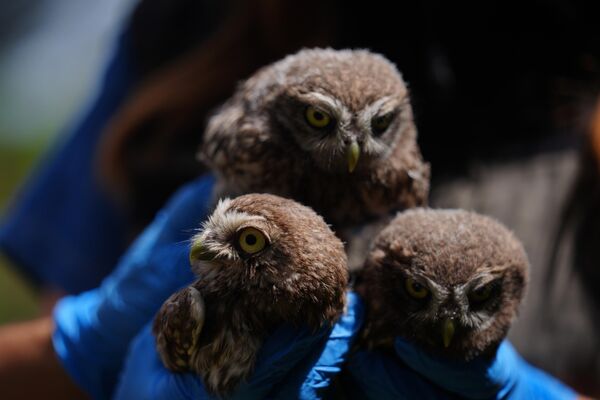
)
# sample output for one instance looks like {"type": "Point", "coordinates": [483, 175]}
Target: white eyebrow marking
{"type": "Point", "coordinates": [216, 232]}
{"type": "Point", "coordinates": [438, 293]}
{"type": "Point", "coordinates": [330, 104]}
{"type": "Point", "coordinates": [385, 104]}
{"type": "Point", "coordinates": [226, 221]}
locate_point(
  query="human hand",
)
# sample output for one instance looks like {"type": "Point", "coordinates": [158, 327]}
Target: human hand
{"type": "Point", "coordinates": [505, 376]}
{"type": "Point", "coordinates": [411, 373]}
{"type": "Point", "coordinates": [292, 363]}
{"type": "Point", "coordinates": [94, 329]}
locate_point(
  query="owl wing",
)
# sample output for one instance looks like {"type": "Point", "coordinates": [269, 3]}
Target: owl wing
{"type": "Point", "coordinates": [401, 182]}
{"type": "Point", "coordinates": [240, 147]}
{"type": "Point", "coordinates": [177, 327]}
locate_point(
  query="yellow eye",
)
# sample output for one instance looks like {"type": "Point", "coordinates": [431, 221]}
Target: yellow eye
{"type": "Point", "coordinates": [317, 118]}
{"type": "Point", "coordinates": [481, 294]}
{"type": "Point", "coordinates": [251, 240]}
{"type": "Point", "coordinates": [415, 289]}
{"type": "Point", "coordinates": [381, 123]}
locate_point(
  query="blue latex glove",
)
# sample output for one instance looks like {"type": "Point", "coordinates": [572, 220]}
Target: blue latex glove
{"type": "Point", "coordinates": [415, 374]}
{"type": "Point", "coordinates": [292, 363]}
{"type": "Point", "coordinates": [94, 329]}
{"type": "Point", "coordinates": [381, 376]}
{"type": "Point", "coordinates": [506, 376]}
{"type": "Point", "coordinates": [63, 230]}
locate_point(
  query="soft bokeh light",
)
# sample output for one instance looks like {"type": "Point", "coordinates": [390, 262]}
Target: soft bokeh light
{"type": "Point", "coordinates": [49, 62]}
{"type": "Point", "coordinates": [51, 53]}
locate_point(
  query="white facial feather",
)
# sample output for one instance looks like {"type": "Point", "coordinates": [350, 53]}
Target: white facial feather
{"type": "Point", "coordinates": [372, 145]}
{"type": "Point", "coordinates": [331, 105]}
{"type": "Point", "coordinates": [221, 226]}
{"type": "Point", "coordinates": [480, 319]}
{"type": "Point", "coordinates": [382, 106]}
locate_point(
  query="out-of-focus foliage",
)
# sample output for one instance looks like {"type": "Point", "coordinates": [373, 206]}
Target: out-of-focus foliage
{"type": "Point", "coordinates": [51, 54]}
{"type": "Point", "coordinates": [17, 297]}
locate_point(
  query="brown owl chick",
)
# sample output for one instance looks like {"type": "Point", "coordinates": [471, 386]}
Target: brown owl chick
{"type": "Point", "coordinates": [448, 280]}
{"type": "Point", "coordinates": [331, 129]}
{"type": "Point", "coordinates": [261, 260]}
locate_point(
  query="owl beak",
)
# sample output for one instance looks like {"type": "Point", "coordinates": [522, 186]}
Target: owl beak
{"type": "Point", "coordinates": [353, 153]}
{"type": "Point", "coordinates": [199, 253]}
{"type": "Point", "coordinates": [447, 332]}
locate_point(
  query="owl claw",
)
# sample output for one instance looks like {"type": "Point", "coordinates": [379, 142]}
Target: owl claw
{"type": "Point", "coordinates": [177, 326]}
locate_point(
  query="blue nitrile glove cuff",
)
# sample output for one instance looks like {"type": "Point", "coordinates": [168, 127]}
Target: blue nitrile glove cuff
{"type": "Point", "coordinates": [506, 376]}
{"type": "Point", "coordinates": [94, 329]}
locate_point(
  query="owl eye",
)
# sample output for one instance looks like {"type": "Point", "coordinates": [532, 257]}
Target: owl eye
{"type": "Point", "coordinates": [317, 118]}
{"type": "Point", "coordinates": [482, 293]}
{"type": "Point", "coordinates": [415, 289]}
{"type": "Point", "coordinates": [379, 124]}
{"type": "Point", "coordinates": [251, 240]}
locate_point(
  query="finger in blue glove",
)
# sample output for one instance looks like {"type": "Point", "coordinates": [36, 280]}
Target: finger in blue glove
{"type": "Point", "coordinates": [314, 378]}
{"type": "Point", "coordinates": [145, 377]}
{"type": "Point", "coordinates": [505, 376]}
{"type": "Point", "coordinates": [94, 329]}
{"type": "Point", "coordinates": [377, 376]}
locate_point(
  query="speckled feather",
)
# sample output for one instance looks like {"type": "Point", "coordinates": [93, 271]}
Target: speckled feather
{"type": "Point", "coordinates": [259, 140]}
{"type": "Point", "coordinates": [299, 278]}
{"type": "Point", "coordinates": [451, 252]}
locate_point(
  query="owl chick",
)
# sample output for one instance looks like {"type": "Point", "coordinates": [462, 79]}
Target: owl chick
{"type": "Point", "coordinates": [449, 281]}
{"type": "Point", "coordinates": [331, 129]}
{"type": "Point", "coordinates": [261, 260]}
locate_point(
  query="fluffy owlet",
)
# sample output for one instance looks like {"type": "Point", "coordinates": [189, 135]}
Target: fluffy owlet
{"type": "Point", "coordinates": [448, 280]}
{"type": "Point", "coordinates": [331, 129]}
{"type": "Point", "coordinates": [261, 260]}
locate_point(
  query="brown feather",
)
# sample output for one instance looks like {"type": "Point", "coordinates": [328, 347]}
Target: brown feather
{"type": "Point", "coordinates": [451, 253]}
{"type": "Point", "coordinates": [259, 141]}
{"type": "Point", "coordinates": [298, 278]}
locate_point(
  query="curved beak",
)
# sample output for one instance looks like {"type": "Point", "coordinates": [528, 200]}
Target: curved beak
{"type": "Point", "coordinates": [198, 252]}
{"type": "Point", "coordinates": [352, 154]}
{"type": "Point", "coordinates": [448, 329]}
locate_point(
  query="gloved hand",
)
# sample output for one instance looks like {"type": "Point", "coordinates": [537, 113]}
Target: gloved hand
{"type": "Point", "coordinates": [505, 376]}
{"type": "Point", "coordinates": [94, 329]}
{"type": "Point", "coordinates": [415, 374]}
{"type": "Point", "coordinates": [292, 363]}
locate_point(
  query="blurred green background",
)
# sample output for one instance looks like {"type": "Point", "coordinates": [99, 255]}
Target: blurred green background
{"type": "Point", "coordinates": [17, 297]}
{"type": "Point", "coordinates": [51, 54]}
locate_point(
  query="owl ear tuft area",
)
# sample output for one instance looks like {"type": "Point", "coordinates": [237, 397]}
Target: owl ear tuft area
{"type": "Point", "coordinates": [399, 248]}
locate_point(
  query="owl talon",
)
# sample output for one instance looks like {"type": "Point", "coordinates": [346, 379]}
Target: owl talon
{"type": "Point", "coordinates": [176, 327]}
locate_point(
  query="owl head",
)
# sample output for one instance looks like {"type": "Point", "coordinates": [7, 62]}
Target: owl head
{"type": "Point", "coordinates": [448, 280]}
{"type": "Point", "coordinates": [344, 109]}
{"type": "Point", "coordinates": [330, 128]}
{"type": "Point", "coordinates": [276, 252]}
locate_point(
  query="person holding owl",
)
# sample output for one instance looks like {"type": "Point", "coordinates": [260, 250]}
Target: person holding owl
{"type": "Point", "coordinates": [381, 155]}
{"type": "Point", "coordinates": [250, 165]}
{"type": "Point", "coordinates": [390, 174]}
{"type": "Point", "coordinates": [129, 285]}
